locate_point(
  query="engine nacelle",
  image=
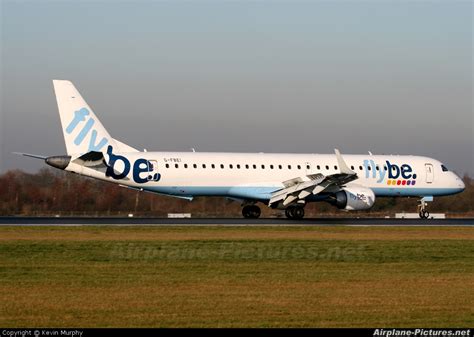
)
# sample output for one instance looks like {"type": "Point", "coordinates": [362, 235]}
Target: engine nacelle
{"type": "Point", "coordinates": [354, 198]}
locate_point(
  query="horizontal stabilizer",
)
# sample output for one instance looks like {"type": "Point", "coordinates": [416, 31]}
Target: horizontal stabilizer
{"type": "Point", "coordinates": [92, 159]}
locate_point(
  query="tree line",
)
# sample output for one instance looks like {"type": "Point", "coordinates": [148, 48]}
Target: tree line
{"type": "Point", "coordinates": [52, 193]}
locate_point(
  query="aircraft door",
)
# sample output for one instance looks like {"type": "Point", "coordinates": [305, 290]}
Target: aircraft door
{"type": "Point", "coordinates": [429, 173]}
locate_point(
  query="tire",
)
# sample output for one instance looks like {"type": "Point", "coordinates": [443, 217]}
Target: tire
{"type": "Point", "coordinates": [294, 212]}
{"type": "Point", "coordinates": [251, 212]}
{"type": "Point", "coordinates": [255, 212]}
{"type": "Point", "coordinates": [298, 213]}
{"type": "Point", "coordinates": [424, 214]}
{"type": "Point", "coordinates": [246, 212]}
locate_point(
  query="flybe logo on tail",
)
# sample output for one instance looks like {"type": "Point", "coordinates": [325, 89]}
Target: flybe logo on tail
{"type": "Point", "coordinates": [118, 167]}
{"type": "Point", "coordinates": [79, 117]}
{"type": "Point", "coordinates": [393, 173]}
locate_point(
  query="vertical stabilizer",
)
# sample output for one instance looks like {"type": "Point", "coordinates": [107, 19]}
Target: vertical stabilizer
{"type": "Point", "coordinates": [83, 131]}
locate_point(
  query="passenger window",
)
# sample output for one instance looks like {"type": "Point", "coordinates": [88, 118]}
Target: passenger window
{"type": "Point", "coordinates": [280, 167]}
{"type": "Point", "coordinates": [176, 165]}
{"type": "Point", "coordinates": [271, 167]}
{"type": "Point", "coordinates": [213, 166]}
{"type": "Point", "coordinates": [444, 168]}
{"type": "Point", "coordinates": [222, 166]}
{"type": "Point", "coordinates": [319, 167]}
{"type": "Point", "coordinates": [230, 166]}
{"type": "Point", "coordinates": [360, 168]}
{"type": "Point", "coordinates": [185, 165]}
{"type": "Point", "coordinates": [299, 167]}
{"type": "Point", "coordinates": [238, 166]}
{"type": "Point", "coordinates": [247, 166]}
{"type": "Point", "coordinates": [289, 167]}
{"type": "Point", "coordinates": [352, 167]}
{"type": "Point", "coordinates": [254, 166]}
{"type": "Point", "coordinates": [195, 166]}
{"type": "Point", "coordinates": [335, 167]}
{"type": "Point", "coordinates": [327, 167]}
{"type": "Point", "coordinates": [203, 166]}
{"type": "Point", "coordinates": [263, 167]}
{"type": "Point", "coordinates": [167, 165]}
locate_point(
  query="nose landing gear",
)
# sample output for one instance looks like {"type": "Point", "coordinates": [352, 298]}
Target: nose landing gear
{"type": "Point", "coordinates": [424, 214]}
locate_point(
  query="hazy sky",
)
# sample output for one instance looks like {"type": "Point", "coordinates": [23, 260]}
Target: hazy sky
{"type": "Point", "coordinates": [254, 77]}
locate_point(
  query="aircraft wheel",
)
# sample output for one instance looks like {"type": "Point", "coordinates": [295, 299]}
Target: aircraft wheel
{"type": "Point", "coordinates": [294, 212]}
{"type": "Point", "coordinates": [424, 214]}
{"type": "Point", "coordinates": [251, 212]}
{"type": "Point", "coordinates": [298, 213]}
{"type": "Point", "coordinates": [256, 212]}
{"type": "Point", "coordinates": [246, 211]}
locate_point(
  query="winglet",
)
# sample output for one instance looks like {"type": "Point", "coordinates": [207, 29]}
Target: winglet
{"type": "Point", "coordinates": [342, 164]}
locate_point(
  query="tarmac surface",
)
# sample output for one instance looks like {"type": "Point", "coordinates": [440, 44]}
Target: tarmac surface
{"type": "Point", "coordinates": [92, 221]}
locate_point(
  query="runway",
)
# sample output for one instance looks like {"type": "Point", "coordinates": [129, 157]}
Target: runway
{"type": "Point", "coordinates": [235, 222]}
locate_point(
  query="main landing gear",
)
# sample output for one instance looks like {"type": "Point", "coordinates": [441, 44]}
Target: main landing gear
{"type": "Point", "coordinates": [294, 212]}
{"type": "Point", "coordinates": [251, 211]}
{"type": "Point", "coordinates": [424, 214]}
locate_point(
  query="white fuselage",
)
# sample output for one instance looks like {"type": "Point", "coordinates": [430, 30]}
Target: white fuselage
{"type": "Point", "coordinates": [254, 176]}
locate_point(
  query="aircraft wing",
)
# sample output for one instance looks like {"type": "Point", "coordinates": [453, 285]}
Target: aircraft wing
{"type": "Point", "coordinates": [302, 187]}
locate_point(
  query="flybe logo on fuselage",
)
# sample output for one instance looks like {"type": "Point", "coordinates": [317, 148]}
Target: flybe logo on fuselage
{"type": "Point", "coordinates": [393, 173]}
{"type": "Point", "coordinates": [79, 117]}
{"type": "Point", "coordinates": [118, 167]}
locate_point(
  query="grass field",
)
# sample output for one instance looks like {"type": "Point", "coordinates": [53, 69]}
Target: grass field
{"type": "Point", "coordinates": [236, 277]}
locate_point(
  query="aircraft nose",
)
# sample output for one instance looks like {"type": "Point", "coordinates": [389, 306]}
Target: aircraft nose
{"type": "Point", "coordinates": [460, 184]}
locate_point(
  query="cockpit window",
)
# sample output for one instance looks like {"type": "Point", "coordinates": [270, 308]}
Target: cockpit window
{"type": "Point", "coordinates": [444, 168]}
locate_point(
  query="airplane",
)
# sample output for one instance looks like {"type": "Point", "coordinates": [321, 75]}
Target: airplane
{"type": "Point", "coordinates": [278, 180]}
